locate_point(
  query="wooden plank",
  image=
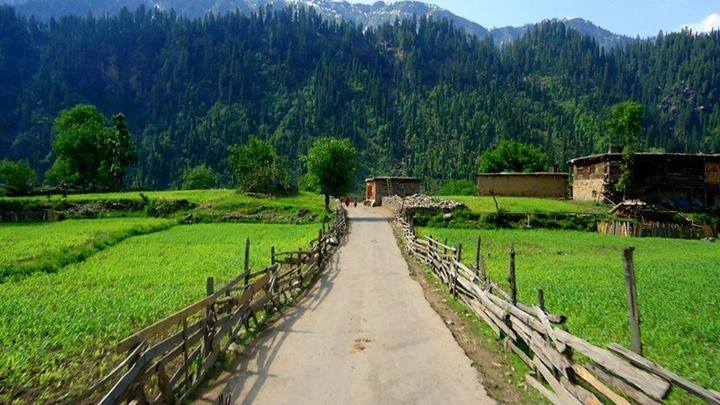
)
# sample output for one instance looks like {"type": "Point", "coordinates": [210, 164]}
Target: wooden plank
{"type": "Point", "coordinates": [645, 364]}
{"type": "Point", "coordinates": [583, 373]}
{"type": "Point", "coordinates": [632, 392]}
{"type": "Point", "coordinates": [524, 357]}
{"type": "Point", "coordinates": [586, 397]}
{"type": "Point", "coordinates": [653, 386]}
{"type": "Point", "coordinates": [543, 390]}
{"type": "Point", "coordinates": [564, 396]}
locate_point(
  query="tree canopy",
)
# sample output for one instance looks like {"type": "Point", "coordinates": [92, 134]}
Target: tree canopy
{"type": "Point", "coordinates": [332, 163]}
{"type": "Point", "coordinates": [16, 178]}
{"type": "Point", "coordinates": [257, 168]}
{"type": "Point", "coordinates": [511, 156]}
{"type": "Point", "coordinates": [90, 153]}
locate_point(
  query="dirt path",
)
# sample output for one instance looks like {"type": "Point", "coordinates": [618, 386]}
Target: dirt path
{"type": "Point", "coordinates": [364, 334]}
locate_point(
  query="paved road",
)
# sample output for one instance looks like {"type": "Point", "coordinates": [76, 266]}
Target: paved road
{"type": "Point", "coordinates": [364, 335]}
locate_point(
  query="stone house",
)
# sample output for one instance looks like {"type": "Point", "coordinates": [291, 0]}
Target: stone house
{"type": "Point", "coordinates": [378, 187]}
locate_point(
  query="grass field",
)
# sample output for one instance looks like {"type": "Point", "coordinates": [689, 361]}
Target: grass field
{"type": "Point", "coordinates": [55, 329]}
{"type": "Point", "coordinates": [582, 276]}
{"type": "Point", "coordinates": [48, 246]}
{"type": "Point", "coordinates": [527, 205]}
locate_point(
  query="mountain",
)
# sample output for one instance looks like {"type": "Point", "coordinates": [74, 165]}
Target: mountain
{"type": "Point", "coordinates": [365, 14]}
{"type": "Point", "coordinates": [604, 38]}
{"type": "Point", "coordinates": [416, 98]}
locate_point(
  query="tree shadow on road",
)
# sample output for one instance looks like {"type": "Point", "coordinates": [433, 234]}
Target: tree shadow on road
{"type": "Point", "coordinates": [263, 351]}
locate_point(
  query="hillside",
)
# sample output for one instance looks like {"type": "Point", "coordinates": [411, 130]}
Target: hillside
{"type": "Point", "coordinates": [420, 97]}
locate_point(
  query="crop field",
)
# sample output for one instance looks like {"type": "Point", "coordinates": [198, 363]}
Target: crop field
{"type": "Point", "coordinates": [484, 204]}
{"type": "Point", "coordinates": [582, 277]}
{"type": "Point", "coordinates": [56, 329]}
{"type": "Point", "coordinates": [48, 246]}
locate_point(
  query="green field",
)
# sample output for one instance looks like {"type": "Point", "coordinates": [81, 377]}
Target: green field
{"type": "Point", "coordinates": [582, 277]}
{"type": "Point", "coordinates": [48, 246]}
{"type": "Point", "coordinates": [485, 204]}
{"type": "Point", "coordinates": [56, 329]}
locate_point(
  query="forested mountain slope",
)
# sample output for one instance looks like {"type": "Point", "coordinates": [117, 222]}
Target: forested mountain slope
{"type": "Point", "coordinates": [422, 98]}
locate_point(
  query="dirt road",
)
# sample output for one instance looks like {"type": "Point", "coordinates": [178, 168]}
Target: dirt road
{"type": "Point", "coordinates": [364, 334]}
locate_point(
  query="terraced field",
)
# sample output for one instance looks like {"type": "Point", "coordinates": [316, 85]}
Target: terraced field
{"type": "Point", "coordinates": [56, 329]}
{"type": "Point", "coordinates": [582, 276]}
{"type": "Point", "coordinates": [27, 248]}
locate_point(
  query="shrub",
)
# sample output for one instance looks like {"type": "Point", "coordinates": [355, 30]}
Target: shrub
{"type": "Point", "coordinates": [16, 178]}
{"type": "Point", "coordinates": [512, 156]}
{"type": "Point", "coordinates": [199, 178]}
{"type": "Point", "coordinates": [458, 187]}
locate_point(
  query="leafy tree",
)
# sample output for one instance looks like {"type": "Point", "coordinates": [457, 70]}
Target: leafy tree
{"type": "Point", "coordinates": [625, 125]}
{"type": "Point", "coordinates": [90, 153]}
{"type": "Point", "coordinates": [200, 177]}
{"type": "Point", "coordinates": [257, 169]}
{"type": "Point", "coordinates": [458, 187]}
{"type": "Point", "coordinates": [332, 163]}
{"type": "Point", "coordinates": [512, 156]}
{"type": "Point", "coordinates": [16, 177]}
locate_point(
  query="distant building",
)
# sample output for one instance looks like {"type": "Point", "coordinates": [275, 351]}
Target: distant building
{"type": "Point", "coordinates": [674, 180]}
{"type": "Point", "coordinates": [545, 185]}
{"type": "Point", "coordinates": [378, 187]}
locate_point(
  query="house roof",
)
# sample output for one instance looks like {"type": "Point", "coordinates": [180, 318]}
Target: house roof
{"type": "Point", "coordinates": [406, 179]}
{"type": "Point", "coordinates": [618, 156]}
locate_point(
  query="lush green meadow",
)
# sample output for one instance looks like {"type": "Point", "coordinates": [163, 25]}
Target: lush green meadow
{"type": "Point", "coordinates": [56, 329]}
{"type": "Point", "coordinates": [582, 277]}
{"type": "Point", "coordinates": [484, 204]}
{"type": "Point", "coordinates": [48, 246]}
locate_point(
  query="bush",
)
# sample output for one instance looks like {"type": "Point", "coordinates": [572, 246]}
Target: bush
{"type": "Point", "coordinates": [16, 178]}
{"type": "Point", "coordinates": [199, 178]}
{"type": "Point", "coordinates": [458, 187]}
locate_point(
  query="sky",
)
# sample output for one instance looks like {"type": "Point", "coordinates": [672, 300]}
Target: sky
{"type": "Point", "coordinates": [629, 17]}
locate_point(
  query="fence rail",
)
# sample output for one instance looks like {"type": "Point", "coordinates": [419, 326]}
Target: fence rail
{"type": "Point", "coordinates": [612, 375]}
{"type": "Point", "coordinates": [167, 360]}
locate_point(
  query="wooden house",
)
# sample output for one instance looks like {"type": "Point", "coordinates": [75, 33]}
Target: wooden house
{"type": "Point", "coordinates": [673, 180]}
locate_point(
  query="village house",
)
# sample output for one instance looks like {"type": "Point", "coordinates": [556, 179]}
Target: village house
{"type": "Point", "coordinates": [673, 180]}
{"type": "Point", "coordinates": [544, 185]}
{"type": "Point", "coordinates": [378, 187]}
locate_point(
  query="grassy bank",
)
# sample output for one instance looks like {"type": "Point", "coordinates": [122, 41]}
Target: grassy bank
{"type": "Point", "coordinates": [484, 205]}
{"type": "Point", "coordinates": [582, 276]}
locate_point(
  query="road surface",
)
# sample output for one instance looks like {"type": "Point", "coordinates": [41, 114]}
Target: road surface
{"type": "Point", "coordinates": [364, 334]}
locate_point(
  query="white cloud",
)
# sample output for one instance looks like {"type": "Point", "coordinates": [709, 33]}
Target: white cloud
{"type": "Point", "coordinates": [709, 23]}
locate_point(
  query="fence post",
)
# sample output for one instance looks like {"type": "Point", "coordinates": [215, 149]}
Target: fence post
{"type": "Point", "coordinates": [272, 255]}
{"type": "Point", "coordinates": [477, 260]}
{"type": "Point", "coordinates": [541, 299]}
{"type": "Point", "coordinates": [511, 278]}
{"type": "Point", "coordinates": [247, 261]}
{"type": "Point", "coordinates": [633, 310]}
{"type": "Point", "coordinates": [209, 314]}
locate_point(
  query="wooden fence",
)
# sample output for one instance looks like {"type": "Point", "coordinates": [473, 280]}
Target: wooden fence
{"type": "Point", "coordinates": [609, 375]}
{"type": "Point", "coordinates": [167, 360]}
